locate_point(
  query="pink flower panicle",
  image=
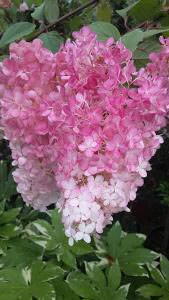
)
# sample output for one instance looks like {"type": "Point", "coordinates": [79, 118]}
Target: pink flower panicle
{"type": "Point", "coordinates": [82, 126]}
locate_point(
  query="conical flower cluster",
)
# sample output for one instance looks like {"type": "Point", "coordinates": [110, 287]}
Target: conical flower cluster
{"type": "Point", "coordinates": [82, 126]}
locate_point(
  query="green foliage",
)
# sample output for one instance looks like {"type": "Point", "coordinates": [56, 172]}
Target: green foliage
{"type": "Point", "coordinates": [63, 291]}
{"type": "Point", "coordinates": [51, 40]}
{"type": "Point", "coordinates": [105, 30]}
{"type": "Point", "coordinates": [51, 10]}
{"type": "Point", "coordinates": [104, 12]}
{"type": "Point", "coordinates": [124, 11]}
{"type": "Point", "coordinates": [25, 283]}
{"type": "Point", "coordinates": [128, 250]}
{"type": "Point", "coordinates": [7, 185]}
{"type": "Point", "coordinates": [145, 48]}
{"type": "Point", "coordinates": [160, 287]}
{"type": "Point", "coordinates": [102, 19]}
{"type": "Point", "coordinates": [141, 10]}
{"type": "Point", "coordinates": [37, 262]}
{"type": "Point", "coordinates": [114, 276]}
{"type": "Point", "coordinates": [97, 285]}
{"type": "Point", "coordinates": [39, 13]}
{"type": "Point", "coordinates": [16, 32]}
{"type": "Point", "coordinates": [51, 237]}
{"type": "Point", "coordinates": [132, 39]}
{"type": "Point", "coordinates": [145, 10]}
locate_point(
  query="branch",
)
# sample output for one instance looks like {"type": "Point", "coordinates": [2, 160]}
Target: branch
{"type": "Point", "coordinates": [68, 15]}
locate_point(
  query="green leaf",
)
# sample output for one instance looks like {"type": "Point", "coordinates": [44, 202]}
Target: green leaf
{"type": "Point", "coordinates": [104, 11]}
{"type": "Point", "coordinates": [95, 274]}
{"type": "Point", "coordinates": [101, 250]}
{"type": "Point", "coordinates": [3, 246]}
{"type": "Point", "coordinates": [9, 274]}
{"type": "Point", "coordinates": [81, 285]}
{"type": "Point", "coordinates": [12, 284]}
{"type": "Point", "coordinates": [38, 13]}
{"type": "Point", "coordinates": [139, 256]}
{"type": "Point", "coordinates": [152, 32]}
{"type": "Point", "coordinates": [41, 290]}
{"type": "Point", "coordinates": [113, 239]}
{"type": "Point", "coordinates": [145, 48]}
{"type": "Point", "coordinates": [105, 30]}
{"type": "Point", "coordinates": [41, 240]}
{"type": "Point", "coordinates": [51, 40]}
{"type": "Point", "coordinates": [131, 241]}
{"type": "Point", "coordinates": [81, 248]}
{"type": "Point", "coordinates": [122, 292]}
{"type": "Point", "coordinates": [157, 276]}
{"type": "Point", "coordinates": [9, 216]}
{"type": "Point", "coordinates": [21, 252]}
{"type": "Point", "coordinates": [26, 283]}
{"type": "Point", "coordinates": [150, 290]}
{"type": "Point", "coordinates": [56, 219]}
{"type": "Point", "coordinates": [132, 39]}
{"type": "Point", "coordinates": [134, 269]}
{"type": "Point", "coordinates": [9, 188]}
{"type": "Point", "coordinates": [3, 21]}
{"type": "Point", "coordinates": [2, 12]}
{"type": "Point", "coordinates": [57, 225]}
{"type": "Point", "coordinates": [12, 13]}
{"type": "Point", "coordinates": [145, 10]}
{"type": "Point", "coordinates": [123, 12]}
{"type": "Point", "coordinates": [68, 258]}
{"type": "Point", "coordinates": [75, 23]}
{"type": "Point", "coordinates": [45, 272]}
{"type": "Point", "coordinates": [16, 32]}
{"type": "Point", "coordinates": [51, 10]}
{"type": "Point", "coordinates": [63, 291]}
{"type": "Point", "coordinates": [41, 274]}
{"type": "Point", "coordinates": [164, 264]}
{"type": "Point", "coordinates": [42, 233]}
{"type": "Point", "coordinates": [114, 276]}
{"type": "Point", "coordinates": [43, 227]}
{"type": "Point", "coordinates": [54, 232]}
{"type": "Point", "coordinates": [8, 231]}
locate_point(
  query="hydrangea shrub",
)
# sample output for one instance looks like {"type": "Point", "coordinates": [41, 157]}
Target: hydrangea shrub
{"type": "Point", "coordinates": [82, 125]}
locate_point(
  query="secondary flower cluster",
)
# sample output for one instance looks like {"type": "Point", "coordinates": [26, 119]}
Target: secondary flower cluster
{"type": "Point", "coordinates": [82, 126]}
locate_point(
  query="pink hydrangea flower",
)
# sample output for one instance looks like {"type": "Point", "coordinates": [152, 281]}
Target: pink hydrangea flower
{"type": "Point", "coordinates": [82, 126]}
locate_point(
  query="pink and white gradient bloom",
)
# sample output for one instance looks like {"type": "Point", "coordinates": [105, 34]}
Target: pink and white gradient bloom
{"type": "Point", "coordinates": [82, 126]}
{"type": "Point", "coordinates": [89, 146]}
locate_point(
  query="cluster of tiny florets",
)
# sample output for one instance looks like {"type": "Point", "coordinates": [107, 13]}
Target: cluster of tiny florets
{"type": "Point", "coordinates": [82, 126]}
